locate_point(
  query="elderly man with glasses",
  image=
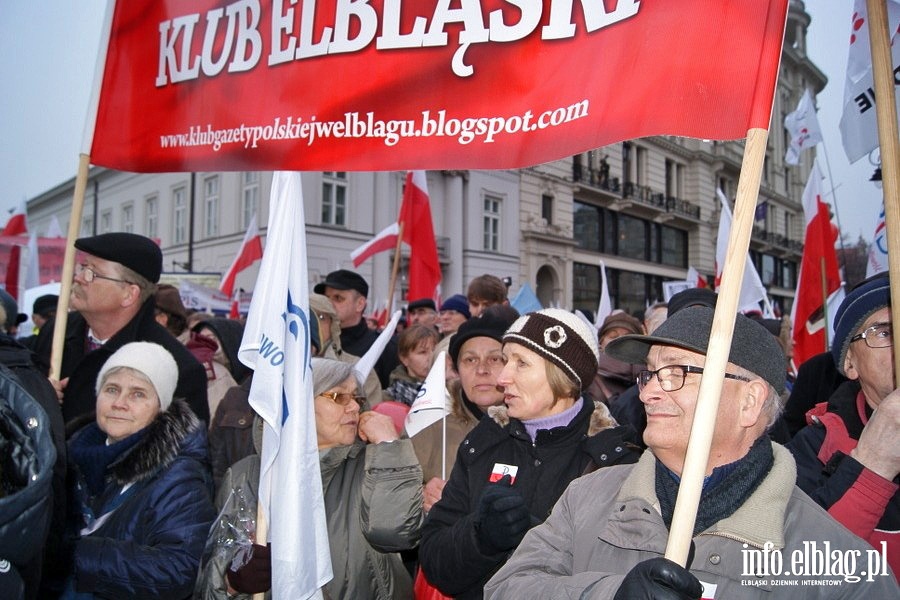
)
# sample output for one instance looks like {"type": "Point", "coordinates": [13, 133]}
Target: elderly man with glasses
{"type": "Point", "coordinates": [112, 303]}
{"type": "Point", "coordinates": [848, 457]}
{"type": "Point", "coordinates": [606, 536]}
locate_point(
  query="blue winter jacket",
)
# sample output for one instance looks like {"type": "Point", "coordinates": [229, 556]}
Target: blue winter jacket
{"type": "Point", "coordinates": [149, 545]}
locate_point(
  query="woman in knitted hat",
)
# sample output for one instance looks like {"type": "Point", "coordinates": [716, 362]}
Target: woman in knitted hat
{"type": "Point", "coordinates": [514, 465]}
{"type": "Point", "coordinates": [142, 502]}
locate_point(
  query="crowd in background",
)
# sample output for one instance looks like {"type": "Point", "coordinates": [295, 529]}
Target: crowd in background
{"type": "Point", "coordinates": [134, 473]}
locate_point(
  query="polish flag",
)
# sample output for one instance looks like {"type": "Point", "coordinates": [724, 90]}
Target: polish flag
{"type": "Point", "coordinates": [819, 282]}
{"type": "Point", "coordinates": [384, 240]}
{"type": "Point", "coordinates": [250, 252]}
{"type": "Point", "coordinates": [695, 279]}
{"type": "Point", "coordinates": [418, 231]}
{"type": "Point", "coordinates": [17, 224]}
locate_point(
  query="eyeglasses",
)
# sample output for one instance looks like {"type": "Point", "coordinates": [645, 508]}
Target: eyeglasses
{"type": "Point", "coordinates": [879, 335]}
{"type": "Point", "coordinates": [89, 275]}
{"type": "Point", "coordinates": [343, 398]}
{"type": "Point", "coordinates": [671, 377]}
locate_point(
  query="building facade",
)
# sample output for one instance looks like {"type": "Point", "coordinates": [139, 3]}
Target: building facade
{"type": "Point", "coordinates": [647, 209]}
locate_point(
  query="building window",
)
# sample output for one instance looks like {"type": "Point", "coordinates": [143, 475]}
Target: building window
{"type": "Point", "coordinates": [128, 218]}
{"type": "Point", "coordinates": [491, 219]}
{"type": "Point", "coordinates": [586, 225]}
{"type": "Point", "coordinates": [641, 165]}
{"type": "Point", "coordinates": [211, 202]}
{"type": "Point", "coordinates": [106, 221]}
{"type": "Point", "coordinates": [632, 238]}
{"type": "Point", "coordinates": [788, 224]}
{"type": "Point", "coordinates": [151, 209]}
{"type": "Point", "coordinates": [674, 246]}
{"type": "Point", "coordinates": [87, 225]}
{"type": "Point", "coordinates": [547, 208]}
{"type": "Point", "coordinates": [179, 203]}
{"type": "Point", "coordinates": [334, 198]}
{"type": "Point", "coordinates": [250, 197]}
{"type": "Point", "coordinates": [628, 290]}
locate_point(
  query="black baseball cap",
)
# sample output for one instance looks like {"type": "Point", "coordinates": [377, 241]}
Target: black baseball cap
{"type": "Point", "coordinates": [342, 279]}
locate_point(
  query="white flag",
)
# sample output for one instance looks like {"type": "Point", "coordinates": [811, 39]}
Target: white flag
{"type": "Point", "coordinates": [604, 307]}
{"type": "Point", "coordinates": [878, 249]}
{"type": "Point", "coordinates": [276, 346]}
{"type": "Point", "coordinates": [752, 290]}
{"type": "Point", "coordinates": [367, 361]}
{"type": "Point", "coordinates": [859, 126]}
{"type": "Point", "coordinates": [803, 127]}
{"type": "Point", "coordinates": [431, 403]}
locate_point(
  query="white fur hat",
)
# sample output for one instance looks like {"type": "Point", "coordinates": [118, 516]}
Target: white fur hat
{"type": "Point", "coordinates": [153, 361]}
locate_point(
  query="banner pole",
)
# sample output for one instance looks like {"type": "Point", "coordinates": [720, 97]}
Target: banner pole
{"type": "Point", "coordinates": [886, 114]}
{"type": "Point", "coordinates": [395, 268]}
{"type": "Point", "coordinates": [697, 457]}
{"type": "Point", "coordinates": [68, 267]}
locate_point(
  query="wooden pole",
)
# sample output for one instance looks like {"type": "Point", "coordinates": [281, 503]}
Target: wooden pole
{"type": "Point", "coordinates": [697, 456]}
{"type": "Point", "coordinates": [886, 113]}
{"type": "Point", "coordinates": [68, 270]}
{"type": "Point", "coordinates": [395, 269]}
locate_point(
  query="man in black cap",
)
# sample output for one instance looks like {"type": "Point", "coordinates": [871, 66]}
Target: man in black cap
{"type": "Point", "coordinates": [348, 292]}
{"type": "Point", "coordinates": [422, 312]}
{"type": "Point", "coordinates": [112, 296]}
{"type": "Point", "coordinates": [606, 536]}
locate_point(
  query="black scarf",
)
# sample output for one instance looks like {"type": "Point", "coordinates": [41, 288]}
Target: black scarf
{"type": "Point", "coordinates": [724, 491]}
{"type": "Point", "coordinates": [93, 456]}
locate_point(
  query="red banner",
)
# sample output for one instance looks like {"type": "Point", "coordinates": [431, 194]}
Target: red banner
{"type": "Point", "coordinates": [410, 84]}
{"type": "Point", "coordinates": [50, 252]}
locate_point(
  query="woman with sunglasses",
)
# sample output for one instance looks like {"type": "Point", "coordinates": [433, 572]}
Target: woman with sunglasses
{"type": "Point", "coordinates": [372, 483]}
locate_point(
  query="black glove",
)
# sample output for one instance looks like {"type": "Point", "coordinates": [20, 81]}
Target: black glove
{"type": "Point", "coordinates": [659, 579]}
{"type": "Point", "coordinates": [254, 577]}
{"type": "Point", "coordinates": [502, 518]}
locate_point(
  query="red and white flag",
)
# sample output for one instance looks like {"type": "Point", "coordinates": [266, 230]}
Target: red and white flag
{"type": "Point", "coordinates": [418, 231]}
{"type": "Point", "coordinates": [18, 222]}
{"type": "Point", "coordinates": [859, 126]}
{"type": "Point", "coordinates": [384, 240]}
{"type": "Point", "coordinates": [818, 273]}
{"type": "Point", "coordinates": [249, 252]}
{"type": "Point", "coordinates": [695, 279]}
{"type": "Point", "coordinates": [803, 127]}
{"type": "Point", "coordinates": [753, 292]}
{"type": "Point", "coordinates": [172, 94]}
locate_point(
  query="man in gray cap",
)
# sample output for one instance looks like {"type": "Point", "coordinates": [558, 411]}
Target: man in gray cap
{"type": "Point", "coordinates": [112, 294]}
{"type": "Point", "coordinates": [606, 536]}
{"type": "Point", "coordinates": [348, 293]}
{"type": "Point", "coordinates": [848, 457]}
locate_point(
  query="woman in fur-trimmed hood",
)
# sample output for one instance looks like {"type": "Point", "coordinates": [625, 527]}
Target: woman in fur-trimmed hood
{"type": "Point", "coordinates": [142, 497]}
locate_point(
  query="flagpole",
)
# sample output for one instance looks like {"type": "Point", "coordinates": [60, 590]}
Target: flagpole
{"type": "Point", "coordinates": [886, 114]}
{"type": "Point", "coordinates": [68, 268]}
{"type": "Point", "coordinates": [81, 179]}
{"type": "Point", "coordinates": [711, 382]}
{"type": "Point", "coordinates": [395, 268]}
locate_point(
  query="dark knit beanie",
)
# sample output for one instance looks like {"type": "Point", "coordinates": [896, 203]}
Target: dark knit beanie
{"type": "Point", "coordinates": [489, 325]}
{"type": "Point", "coordinates": [859, 305]}
{"type": "Point", "coordinates": [562, 338]}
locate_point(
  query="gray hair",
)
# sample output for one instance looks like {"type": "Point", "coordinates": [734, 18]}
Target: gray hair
{"type": "Point", "coordinates": [772, 407]}
{"type": "Point", "coordinates": [329, 373]}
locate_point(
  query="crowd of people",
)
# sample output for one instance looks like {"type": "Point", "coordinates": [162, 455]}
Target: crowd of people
{"type": "Point", "coordinates": [555, 473]}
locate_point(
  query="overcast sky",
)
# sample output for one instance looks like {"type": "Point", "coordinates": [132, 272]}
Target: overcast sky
{"type": "Point", "coordinates": [50, 47]}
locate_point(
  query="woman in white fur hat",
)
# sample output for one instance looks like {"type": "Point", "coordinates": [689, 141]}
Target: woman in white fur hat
{"type": "Point", "coordinates": [141, 505]}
